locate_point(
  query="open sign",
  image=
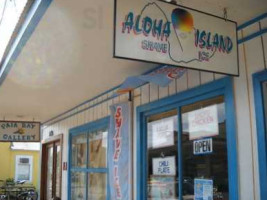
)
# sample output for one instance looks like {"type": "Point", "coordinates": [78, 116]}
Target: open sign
{"type": "Point", "coordinates": [203, 146]}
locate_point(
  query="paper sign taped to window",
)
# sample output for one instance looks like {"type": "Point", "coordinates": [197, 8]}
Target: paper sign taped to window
{"type": "Point", "coordinates": [163, 133]}
{"type": "Point", "coordinates": [203, 123]}
{"type": "Point", "coordinates": [203, 189]}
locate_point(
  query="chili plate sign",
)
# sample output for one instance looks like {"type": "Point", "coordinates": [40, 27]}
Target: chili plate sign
{"type": "Point", "coordinates": [160, 32]}
{"type": "Point", "coordinates": [11, 131]}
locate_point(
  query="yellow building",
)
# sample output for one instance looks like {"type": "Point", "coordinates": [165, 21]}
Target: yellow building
{"type": "Point", "coordinates": [20, 161]}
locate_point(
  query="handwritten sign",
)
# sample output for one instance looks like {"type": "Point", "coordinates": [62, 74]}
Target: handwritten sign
{"type": "Point", "coordinates": [164, 166]}
{"type": "Point", "coordinates": [19, 131]}
{"type": "Point", "coordinates": [163, 133]}
{"type": "Point", "coordinates": [203, 146]}
{"type": "Point", "coordinates": [203, 123]}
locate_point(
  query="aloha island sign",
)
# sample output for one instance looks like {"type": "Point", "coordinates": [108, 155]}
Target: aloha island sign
{"type": "Point", "coordinates": [11, 131]}
{"type": "Point", "coordinates": [161, 32]}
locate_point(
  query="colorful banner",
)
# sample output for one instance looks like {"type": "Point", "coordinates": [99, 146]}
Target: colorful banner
{"type": "Point", "coordinates": [167, 33]}
{"type": "Point", "coordinates": [119, 153]}
{"type": "Point", "coordinates": [161, 77]}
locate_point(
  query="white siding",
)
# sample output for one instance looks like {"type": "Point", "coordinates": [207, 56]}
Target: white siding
{"type": "Point", "coordinates": [251, 56]}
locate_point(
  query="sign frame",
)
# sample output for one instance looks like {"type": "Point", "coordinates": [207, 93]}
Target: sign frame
{"type": "Point", "coordinates": [5, 121]}
{"type": "Point", "coordinates": [176, 65]}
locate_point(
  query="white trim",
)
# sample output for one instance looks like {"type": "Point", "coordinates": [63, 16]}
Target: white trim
{"type": "Point", "coordinates": [16, 166]}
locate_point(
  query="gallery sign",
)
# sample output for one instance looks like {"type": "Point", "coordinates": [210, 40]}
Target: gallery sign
{"type": "Point", "coordinates": [11, 131]}
{"type": "Point", "coordinates": [161, 32]}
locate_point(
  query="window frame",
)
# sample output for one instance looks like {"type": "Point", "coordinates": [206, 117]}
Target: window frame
{"type": "Point", "coordinates": [221, 87]}
{"type": "Point", "coordinates": [18, 157]}
{"type": "Point", "coordinates": [80, 130]}
{"type": "Point", "coordinates": [258, 79]}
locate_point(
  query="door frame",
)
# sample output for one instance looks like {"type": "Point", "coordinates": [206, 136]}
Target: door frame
{"type": "Point", "coordinates": [213, 89]}
{"type": "Point", "coordinates": [258, 79]}
{"type": "Point", "coordinates": [45, 143]}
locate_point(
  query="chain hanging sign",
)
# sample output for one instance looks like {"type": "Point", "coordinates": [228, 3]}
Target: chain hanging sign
{"type": "Point", "coordinates": [166, 33]}
{"type": "Point", "coordinates": [11, 131]}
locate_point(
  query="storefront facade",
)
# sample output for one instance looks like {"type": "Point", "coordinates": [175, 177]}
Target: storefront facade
{"type": "Point", "coordinates": [233, 167]}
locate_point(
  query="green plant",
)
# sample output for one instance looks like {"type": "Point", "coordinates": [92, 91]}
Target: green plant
{"type": "Point", "coordinates": [10, 181]}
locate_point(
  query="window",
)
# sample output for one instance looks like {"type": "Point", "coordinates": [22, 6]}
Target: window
{"type": "Point", "coordinates": [187, 146]}
{"type": "Point", "coordinates": [162, 159]}
{"type": "Point", "coordinates": [88, 173]}
{"type": "Point", "coordinates": [204, 149]}
{"type": "Point", "coordinates": [12, 15]}
{"type": "Point", "coordinates": [260, 97]}
{"type": "Point", "coordinates": [24, 168]}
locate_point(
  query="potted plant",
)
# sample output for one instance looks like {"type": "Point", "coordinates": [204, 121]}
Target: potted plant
{"type": "Point", "coordinates": [10, 182]}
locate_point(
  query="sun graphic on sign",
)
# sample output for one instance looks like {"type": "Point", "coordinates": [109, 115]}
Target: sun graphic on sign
{"type": "Point", "coordinates": [20, 131]}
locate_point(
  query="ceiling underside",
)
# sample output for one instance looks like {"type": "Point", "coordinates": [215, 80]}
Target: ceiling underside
{"type": "Point", "coordinates": [68, 58]}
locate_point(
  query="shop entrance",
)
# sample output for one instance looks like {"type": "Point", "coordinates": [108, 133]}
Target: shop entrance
{"type": "Point", "coordinates": [51, 169]}
{"type": "Point", "coordinates": [187, 145]}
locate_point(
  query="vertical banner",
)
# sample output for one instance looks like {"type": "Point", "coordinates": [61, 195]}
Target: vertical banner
{"type": "Point", "coordinates": [119, 153]}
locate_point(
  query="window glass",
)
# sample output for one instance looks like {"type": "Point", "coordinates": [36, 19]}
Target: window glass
{"type": "Point", "coordinates": [204, 150]}
{"type": "Point", "coordinates": [97, 186]}
{"type": "Point", "coordinates": [98, 149]}
{"type": "Point", "coordinates": [79, 145]}
{"type": "Point", "coordinates": [162, 156]}
{"type": "Point", "coordinates": [58, 170]}
{"type": "Point", "coordinates": [89, 154]}
{"type": "Point", "coordinates": [78, 183]}
{"type": "Point", "coordinates": [23, 168]}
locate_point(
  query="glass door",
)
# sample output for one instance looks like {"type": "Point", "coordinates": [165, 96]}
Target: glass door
{"type": "Point", "coordinates": [186, 152]}
{"type": "Point", "coordinates": [51, 171]}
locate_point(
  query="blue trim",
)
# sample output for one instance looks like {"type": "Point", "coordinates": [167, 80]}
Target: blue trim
{"type": "Point", "coordinates": [252, 21]}
{"type": "Point", "coordinates": [258, 79]}
{"type": "Point", "coordinates": [34, 16]}
{"type": "Point", "coordinates": [180, 154]}
{"type": "Point", "coordinates": [253, 35]}
{"type": "Point", "coordinates": [86, 129]}
{"type": "Point", "coordinates": [217, 88]}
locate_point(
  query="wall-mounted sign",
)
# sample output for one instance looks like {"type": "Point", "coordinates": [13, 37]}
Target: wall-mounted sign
{"type": "Point", "coordinates": [164, 166]}
{"type": "Point", "coordinates": [203, 189]}
{"type": "Point", "coordinates": [203, 146]}
{"type": "Point", "coordinates": [161, 32]}
{"type": "Point", "coordinates": [162, 133]}
{"type": "Point", "coordinates": [19, 131]}
{"type": "Point", "coordinates": [203, 123]}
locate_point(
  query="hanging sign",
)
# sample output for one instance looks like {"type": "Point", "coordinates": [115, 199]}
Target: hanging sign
{"type": "Point", "coordinates": [164, 166]}
{"type": "Point", "coordinates": [203, 146]}
{"type": "Point", "coordinates": [119, 153]}
{"type": "Point", "coordinates": [203, 123]}
{"type": "Point", "coordinates": [166, 33]}
{"type": "Point", "coordinates": [11, 131]}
